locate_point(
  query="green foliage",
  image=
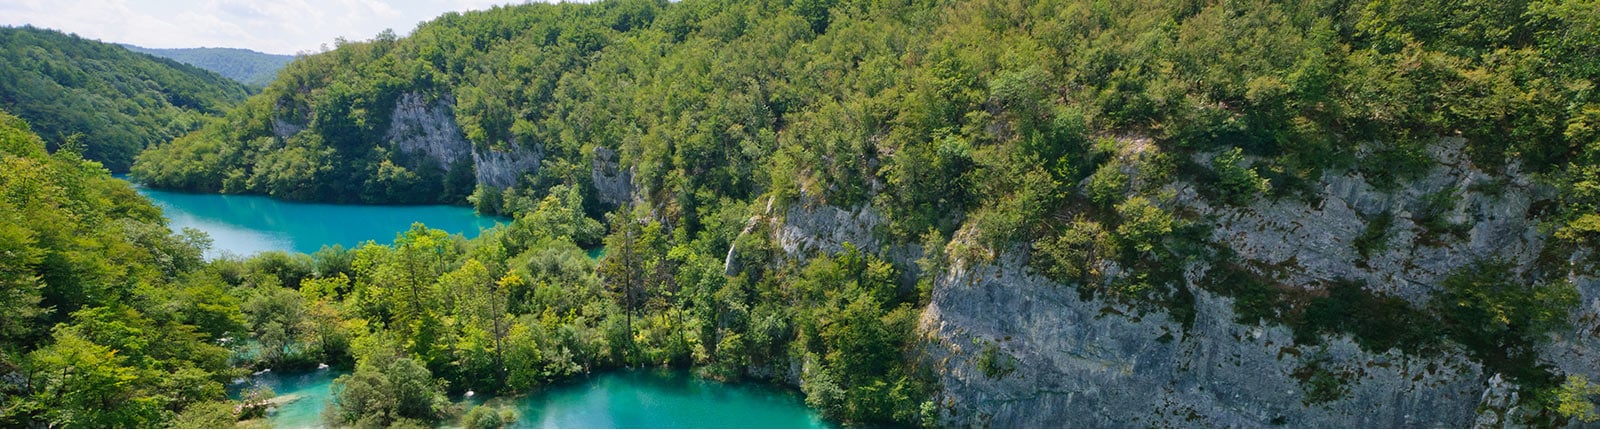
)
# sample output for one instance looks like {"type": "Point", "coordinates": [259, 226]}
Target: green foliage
{"type": "Point", "coordinates": [559, 214]}
{"type": "Point", "coordinates": [1237, 184]}
{"type": "Point", "coordinates": [1321, 385]}
{"type": "Point", "coordinates": [109, 321]}
{"type": "Point", "coordinates": [112, 101]}
{"type": "Point", "coordinates": [1143, 224]}
{"type": "Point", "coordinates": [993, 362]}
{"type": "Point", "coordinates": [1575, 399]}
{"type": "Point", "coordinates": [1076, 252]}
{"type": "Point", "coordinates": [982, 123]}
{"type": "Point", "coordinates": [387, 390]}
{"type": "Point", "coordinates": [1434, 213]}
{"type": "Point", "coordinates": [855, 328]}
{"type": "Point", "coordinates": [1377, 321]}
{"type": "Point", "coordinates": [277, 318]}
{"type": "Point", "coordinates": [1108, 185]}
{"type": "Point", "coordinates": [1500, 317]}
{"type": "Point", "coordinates": [488, 417]}
{"type": "Point", "coordinates": [91, 377]}
{"type": "Point", "coordinates": [1375, 236]}
{"type": "Point", "coordinates": [208, 415]}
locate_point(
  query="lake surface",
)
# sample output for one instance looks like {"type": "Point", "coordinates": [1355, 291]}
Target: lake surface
{"type": "Point", "coordinates": [301, 397]}
{"type": "Point", "coordinates": [622, 399]}
{"type": "Point", "coordinates": [664, 399]}
{"type": "Point", "coordinates": [244, 225]}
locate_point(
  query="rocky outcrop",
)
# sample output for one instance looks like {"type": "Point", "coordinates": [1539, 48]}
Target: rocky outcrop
{"type": "Point", "coordinates": [428, 129]}
{"type": "Point", "coordinates": [809, 228]}
{"type": "Point", "coordinates": [812, 229]}
{"type": "Point", "coordinates": [283, 129]}
{"type": "Point", "coordinates": [1013, 349]}
{"type": "Point", "coordinates": [612, 184]}
{"type": "Point", "coordinates": [501, 169]}
{"type": "Point", "coordinates": [1575, 350]}
{"type": "Point", "coordinates": [1451, 217]}
{"type": "Point", "coordinates": [1010, 348]}
{"type": "Point", "coordinates": [1057, 360]}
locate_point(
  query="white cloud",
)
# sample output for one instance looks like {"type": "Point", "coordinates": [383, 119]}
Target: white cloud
{"type": "Point", "coordinates": [277, 26]}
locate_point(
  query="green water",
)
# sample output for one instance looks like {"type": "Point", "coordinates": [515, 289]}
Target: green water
{"type": "Point", "coordinates": [664, 399]}
{"type": "Point", "coordinates": [245, 225]}
{"type": "Point", "coordinates": [624, 399]}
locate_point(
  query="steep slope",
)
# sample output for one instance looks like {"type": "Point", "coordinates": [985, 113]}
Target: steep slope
{"type": "Point", "coordinates": [1319, 213]}
{"type": "Point", "coordinates": [116, 102]}
{"type": "Point", "coordinates": [251, 68]}
{"type": "Point", "coordinates": [99, 331]}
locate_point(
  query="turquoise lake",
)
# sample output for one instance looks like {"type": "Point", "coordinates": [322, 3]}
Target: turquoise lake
{"type": "Point", "coordinates": [621, 399]}
{"type": "Point", "coordinates": [244, 225]}
{"type": "Point", "coordinates": [664, 399]}
{"type": "Point", "coordinates": [302, 397]}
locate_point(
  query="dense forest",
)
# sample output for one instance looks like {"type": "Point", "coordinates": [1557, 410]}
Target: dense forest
{"type": "Point", "coordinates": [975, 127]}
{"type": "Point", "coordinates": [251, 68]}
{"type": "Point", "coordinates": [940, 114]}
{"type": "Point", "coordinates": [112, 101]}
{"type": "Point", "coordinates": [117, 322]}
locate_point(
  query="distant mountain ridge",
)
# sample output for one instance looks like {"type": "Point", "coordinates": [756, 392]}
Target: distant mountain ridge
{"type": "Point", "coordinates": [111, 101]}
{"type": "Point", "coordinates": [252, 68]}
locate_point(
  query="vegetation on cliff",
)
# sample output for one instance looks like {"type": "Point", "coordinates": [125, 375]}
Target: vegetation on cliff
{"type": "Point", "coordinates": [974, 127]}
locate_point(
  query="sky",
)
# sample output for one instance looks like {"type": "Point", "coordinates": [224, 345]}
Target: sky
{"type": "Point", "coordinates": [271, 26]}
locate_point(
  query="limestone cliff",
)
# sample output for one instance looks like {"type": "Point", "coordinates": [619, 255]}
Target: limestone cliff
{"type": "Point", "coordinates": [425, 127]}
{"type": "Point", "coordinates": [1012, 348]}
{"type": "Point", "coordinates": [1068, 362]}
{"type": "Point", "coordinates": [613, 185]}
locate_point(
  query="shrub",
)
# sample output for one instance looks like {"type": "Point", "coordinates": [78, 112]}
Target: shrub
{"type": "Point", "coordinates": [488, 417]}
{"type": "Point", "coordinates": [1237, 184]}
{"type": "Point", "coordinates": [1144, 224]}
{"type": "Point", "coordinates": [1074, 253]}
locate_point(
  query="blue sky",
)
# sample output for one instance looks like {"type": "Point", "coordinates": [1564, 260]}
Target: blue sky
{"type": "Point", "coordinates": [273, 26]}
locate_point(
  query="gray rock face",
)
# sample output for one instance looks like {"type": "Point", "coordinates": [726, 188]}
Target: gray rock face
{"type": "Point", "coordinates": [612, 185]}
{"type": "Point", "coordinates": [429, 129]}
{"type": "Point", "coordinates": [1081, 363]}
{"type": "Point", "coordinates": [1012, 349]}
{"type": "Point", "coordinates": [420, 127]}
{"type": "Point", "coordinates": [283, 129]}
{"type": "Point", "coordinates": [811, 229]}
{"type": "Point", "coordinates": [1576, 351]}
{"type": "Point", "coordinates": [501, 169]}
{"type": "Point", "coordinates": [1316, 241]}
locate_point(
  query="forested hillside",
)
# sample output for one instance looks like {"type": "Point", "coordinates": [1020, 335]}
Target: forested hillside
{"type": "Point", "coordinates": [1116, 150]}
{"type": "Point", "coordinates": [99, 330]}
{"type": "Point", "coordinates": [992, 105]}
{"type": "Point", "coordinates": [248, 67]}
{"type": "Point", "coordinates": [112, 101]}
{"type": "Point", "coordinates": [116, 322]}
